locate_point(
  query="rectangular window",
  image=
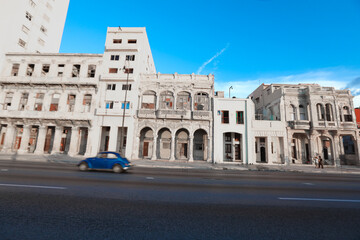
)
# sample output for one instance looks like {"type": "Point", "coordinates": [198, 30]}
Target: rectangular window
{"type": "Point", "coordinates": [25, 29]}
{"type": "Point", "coordinates": [113, 70]}
{"type": "Point", "coordinates": [61, 68]}
{"type": "Point", "coordinates": [117, 41]}
{"type": "Point", "coordinates": [129, 70]}
{"type": "Point", "coordinates": [23, 101]}
{"type": "Point", "coordinates": [91, 71]}
{"type": "Point", "coordinates": [54, 102]}
{"type": "Point", "coordinates": [132, 41]}
{"type": "Point", "coordinates": [114, 57]}
{"type": "Point", "coordinates": [224, 116]}
{"type": "Point", "coordinates": [227, 137]}
{"type": "Point", "coordinates": [127, 105]}
{"type": "Point", "coordinates": [87, 102]}
{"type": "Point", "coordinates": [111, 87]}
{"type": "Point", "coordinates": [39, 101]}
{"type": "Point", "coordinates": [28, 16]}
{"type": "Point", "coordinates": [126, 87]}
{"type": "Point", "coordinates": [8, 99]}
{"type": "Point", "coordinates": [109, 105]}
{"type": "Point", "coordinates": [71, 102]}
{"type": "Point", "coordinates": [240, 117]}
{"type": "Point", "coordinates": [30, 70]}
{"type": "Point", "coordinates": [22, 43]}
{"type": "Point", "coordinates": [227, 148]}
{"type": "Point", "coordinates": [45, 69]}
{"type": "Point", "coordinates": [130, 57]}
{"type": "Point", "coordinates": [15, 69]}
{"type": "Point", "coordinates": [76, 70]}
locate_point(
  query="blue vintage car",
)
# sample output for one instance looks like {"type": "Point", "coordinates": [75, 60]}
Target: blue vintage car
{"type": "Point", "coordinates": [106, 161]}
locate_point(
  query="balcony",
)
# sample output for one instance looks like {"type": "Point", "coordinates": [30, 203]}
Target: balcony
{"type": "Point", "coordinates": [146, 113]}
{"type": "Point", "coordinates": [201, 115]}
{"type": "Point", "coordinates": [325, 124]}
{"type": "Point", "coordinates": [300, 124]}
{"type": "Point", "coordinates": [173, 114]}
{"type": "Point", "coordinates": [348, 125]}
{"type": "Point", "coordinates": [59, 115]}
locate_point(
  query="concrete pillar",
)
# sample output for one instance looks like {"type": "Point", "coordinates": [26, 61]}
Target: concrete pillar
{"type": "Point", "coordinates": [312, 147]}
{"type": "Point", "coordinates": [208, 150]}
{"type": "Point", "coordinates": [9, 138]}
{"type": "Point", "coordinates": [268, 150]}
{"type": "Point", "coordinates": [191, 146]}
{"type": "Point", "coordinates": [335, 149]}
{"type": "Point", "coordinates": [79, 103]}
{"type": "Point", "coordinates": [74, 142]}
{"type": "Point", "coordinates": [25, 139]}
{"type": "Point", "coordinates": [57, 139]}
{"type": "Point", "coordinates": [154, 156]}
{"type": "Point", "coordinates": [113, 138]}
{"type": "Point", "coordinates": [40, 143]}
{"type": "Point", "coordinates": [63, 106]}
{"type": "Point", "coordinates": [358, 147]}
{"type": "Point", "coordinates": [136, 148]}
{"type": "Point", "coordinates": [172, 150]}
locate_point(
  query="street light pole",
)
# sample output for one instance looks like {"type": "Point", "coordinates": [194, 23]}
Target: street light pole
{"type": "Point", "coordinates": [229, 90]}
{"type": "Point", "coordinates": [123, 115]}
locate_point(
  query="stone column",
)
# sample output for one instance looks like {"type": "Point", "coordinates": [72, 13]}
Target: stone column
{"type": "Point", "coordinates": [113, 138]}
{"type": "Point", "coordinates": [191, 146]}
{"type": "Point", "coordinates": [9, 138]}
{"type": "Point", "coordinates": [154, 155]}
{"type": "Point", "coordinates": [172, 150]}
{"type": "Point", "coordinates": [312, 148]}
{"type": "Point", "coordinates": [57, 139]}
{"type": "Point", "coordinates": [269, 154]}
{"type": "Point", "coordinates": [74, 142]}
{"type": "Point", "coordinates": [25, 139]}
{"type": "Point", "coordinates": [335, 151]}
{"type": "Point", "coordinates": [40, 143]}
{"type": "Point", "coordinates": [136, 148]}
{"type": "Point", "coordinates": [209, 150]}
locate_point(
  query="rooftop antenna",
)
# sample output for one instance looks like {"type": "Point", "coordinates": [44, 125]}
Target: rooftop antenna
{"type": "Point", "coordinates": [120, 28]}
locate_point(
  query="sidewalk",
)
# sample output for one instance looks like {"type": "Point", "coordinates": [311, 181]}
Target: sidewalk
{"type": "Point", "coordinates": [201, 165]}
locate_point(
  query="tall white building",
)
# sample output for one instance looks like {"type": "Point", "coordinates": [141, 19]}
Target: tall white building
{"type": "Point", "coordinates": [34, 26]}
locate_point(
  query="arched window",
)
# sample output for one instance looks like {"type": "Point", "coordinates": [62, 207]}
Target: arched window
{"type": "Point", "coordinates": [292, 113]}
{"type": "Point", "coordinates": [347, 114]}
{"type": "Point", "coordinates": [302, 110]}
{"type": "Point", "coordinates": [166, 100]}
{"type": "Point", "coordinates": [320, 111]}
{"type": "Point", "coordinates": [183, 101]}
{"type": "Point", "coordinates": [329, 112]}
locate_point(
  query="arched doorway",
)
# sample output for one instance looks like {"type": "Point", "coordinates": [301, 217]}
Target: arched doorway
{"type": "Point", "coordinates": [200, 145]}
{"type": "Point", "coordinates": [146, 143]}
{"type": "Point", "coordinates": [164, 146]}
{"type": "Point", "coordinates": [182, 144]}
{"type": "Point", "coordinates": [326, 150]}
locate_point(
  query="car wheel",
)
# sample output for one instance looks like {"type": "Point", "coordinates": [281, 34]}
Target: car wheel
{"type": "Point", "coordinates": [117, 168]}
{"type": "Point", "coordinates": [83, 166]}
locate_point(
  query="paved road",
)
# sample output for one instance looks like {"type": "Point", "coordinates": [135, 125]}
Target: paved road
{"type": "Point", "coordinates": [58, 202]}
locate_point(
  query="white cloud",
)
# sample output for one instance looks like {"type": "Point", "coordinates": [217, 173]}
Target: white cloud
{"type": "Point", "coordinates": [211, 59]}
{"type": "Point", "coordinates": [339, 78]}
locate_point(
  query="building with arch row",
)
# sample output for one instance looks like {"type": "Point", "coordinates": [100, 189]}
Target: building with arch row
{"type": "Point", "coordinates": [80, 104]}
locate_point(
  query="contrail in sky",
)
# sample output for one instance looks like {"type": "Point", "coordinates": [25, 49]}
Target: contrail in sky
{"type": "Point", "coordinates": [211, 59]}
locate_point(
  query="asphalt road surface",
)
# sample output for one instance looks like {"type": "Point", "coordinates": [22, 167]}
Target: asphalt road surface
{"type": "Point", "coordinates": [58, 202]}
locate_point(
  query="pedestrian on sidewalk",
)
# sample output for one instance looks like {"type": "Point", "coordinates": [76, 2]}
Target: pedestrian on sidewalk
{"type": "Point", "coordinates": [316, 161]}
{"type": "Point", "coordinates": [321, 164]}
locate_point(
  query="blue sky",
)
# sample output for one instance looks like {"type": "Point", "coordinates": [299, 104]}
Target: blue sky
{"type": "Point", "coordinates": [243, 43]}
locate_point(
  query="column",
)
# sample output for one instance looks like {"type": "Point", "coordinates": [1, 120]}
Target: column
{"type": "Point", "coordinates": [312, 149]}
{"type": "Point", "coordinates": [25, 139]}
{"type": "Point", "coordinates": [209, 147]}
{"type": "Point", "coordinates": [40, 143]}
{"type": "Point", "coordinates": [335, 143]}
{"type": "Point", "coordinates": [172, 150]}
{"type": "Point", "coordinates": [9, 138]}
{"type": "Point", "coordinates": [113, 138]}
{"type": "Point", "coordinates": [191, 146]}
{"type": "Point", "coordinates": [74, 142]}
{"type": "Point", "coordinates": [154, 157]}
{"type": "Point", "coordinates": [269, 155]}
{"type": "Point", "coordinates": [358, 146]}
{"type": "Point", "coordinates": [57, 139]}
{"type": "Point", "coordinates": [135, 150]}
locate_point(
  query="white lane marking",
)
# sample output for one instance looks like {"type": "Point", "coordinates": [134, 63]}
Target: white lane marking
{"type": "Point", "coordinates": [150, 178]}
{"type": "Point", "coordinates": [320, 199]}
{"type": "Point", "coordinates": [4, 170]}
{"type": "Point", "coordinates": [30, 186]}
{"type": "Point", "coordinates": [307, 183]}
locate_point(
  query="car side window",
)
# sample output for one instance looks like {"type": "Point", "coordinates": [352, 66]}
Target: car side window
{"type": "Point", "coordinates": [102, 155]}
{"type": "Point", "coordinates": [111, 155]}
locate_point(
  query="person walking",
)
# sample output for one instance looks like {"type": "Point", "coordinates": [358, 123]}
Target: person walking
{"type": "Point", "coordinates": [316, 161]}
{"type": "Point", "coordinates": [321, 164]}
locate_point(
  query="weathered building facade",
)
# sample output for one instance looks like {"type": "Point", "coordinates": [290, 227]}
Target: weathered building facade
{"type": "Point", "coordinates": [318, 120]}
